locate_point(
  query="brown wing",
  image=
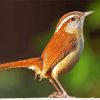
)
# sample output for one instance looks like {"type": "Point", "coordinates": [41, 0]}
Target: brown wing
{"type": "Point", "coordinates": [37, 62]}
{"type": "Point", "coordinates": [59, 46]}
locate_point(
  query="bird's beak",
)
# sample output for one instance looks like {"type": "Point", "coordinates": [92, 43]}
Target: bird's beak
{"type": "Point", "coordinates": [87, 13]}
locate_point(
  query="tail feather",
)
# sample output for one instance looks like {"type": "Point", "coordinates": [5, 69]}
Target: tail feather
{"type": "Point", "coordinates": [35, 62]}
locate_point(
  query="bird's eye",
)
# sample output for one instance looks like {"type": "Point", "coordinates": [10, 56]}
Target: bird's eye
{"type": "Point", "coordinates": [73, 19]}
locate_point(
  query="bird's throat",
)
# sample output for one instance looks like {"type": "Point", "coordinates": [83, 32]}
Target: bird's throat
{"type": "Point", "coordinates": [80, 42]}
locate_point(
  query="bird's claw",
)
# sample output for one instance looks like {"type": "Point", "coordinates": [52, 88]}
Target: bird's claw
{"type": "Point", "coordinates": [58, 95]}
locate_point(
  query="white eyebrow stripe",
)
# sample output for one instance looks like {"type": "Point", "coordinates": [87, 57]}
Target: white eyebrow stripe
{"type": "Point", "coordinates": [63, 22]}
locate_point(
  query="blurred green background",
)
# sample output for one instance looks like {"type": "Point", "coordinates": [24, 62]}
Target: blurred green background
{"type": "Point", "coordinates": [25, 29]}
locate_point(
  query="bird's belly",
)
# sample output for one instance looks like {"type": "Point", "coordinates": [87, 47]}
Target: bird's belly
{"type": "Point", "coordinates": [66, 63]}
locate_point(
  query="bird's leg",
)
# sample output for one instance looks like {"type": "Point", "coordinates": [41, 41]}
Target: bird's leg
{"type": "Point", "coordinates": [61, 93]}
{"type": "Point", "coordinates": [56, 87]}
{"type": "Point", "coordinates": [35, 76]}
{"type": "Point", "coordinates": [55, 94]}
{"type": "Point", "coordinates": [64, 93]}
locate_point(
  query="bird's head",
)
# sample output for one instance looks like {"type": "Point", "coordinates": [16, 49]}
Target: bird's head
{"type": "Point", "coordinates": [72, 22]}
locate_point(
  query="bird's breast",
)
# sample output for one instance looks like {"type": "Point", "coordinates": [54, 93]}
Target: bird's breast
{"type": "Point", "coordinates": [69, 60]}
{"type": "Point", "coordinates": [66, 63]}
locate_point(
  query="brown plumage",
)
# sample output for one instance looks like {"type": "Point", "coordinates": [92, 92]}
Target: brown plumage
{"type": "Point", "coordinates": [23, 63]}
{"type": "Point", "coordinates": [59, 46]}
{"type": "Point", "coordinates": [61, 53]}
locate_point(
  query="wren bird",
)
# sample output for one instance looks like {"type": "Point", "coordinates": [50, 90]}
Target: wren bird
{"type": "Point", "coordinates": [61, 53]}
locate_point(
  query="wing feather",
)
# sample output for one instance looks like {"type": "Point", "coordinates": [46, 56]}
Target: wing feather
{"type": "Point", "coordinates": [58, 47]}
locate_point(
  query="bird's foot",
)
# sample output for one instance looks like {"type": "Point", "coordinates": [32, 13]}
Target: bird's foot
{"type": "Point", "coordinates": [58, 95]}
